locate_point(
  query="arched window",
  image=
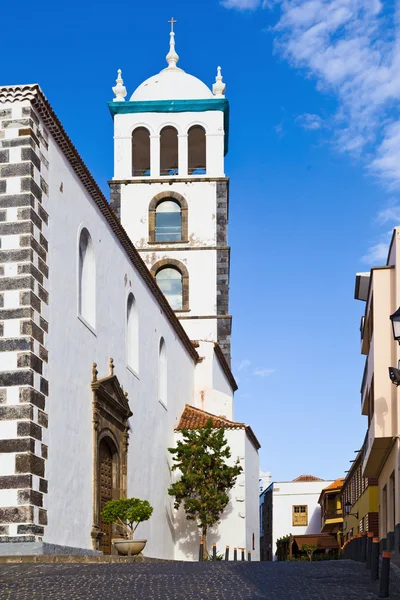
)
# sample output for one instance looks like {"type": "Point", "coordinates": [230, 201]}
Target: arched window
{"type": "Point", "coordinates": [169, 151]}
{"type": "Point", "coordinates": [169, 280]}
{"type": "Point", "coordinates": [87, 279]}
{"type": "Point", "coordinates": [168, 222]}
{"type": "Point", "coordinates": [132, 334]}
{"type": "Point", "coordinates": [197, 150]}
{"type": "Point", "coordinates": [162, 374]}
{"type": "Point", "coordinates": [140, 152]}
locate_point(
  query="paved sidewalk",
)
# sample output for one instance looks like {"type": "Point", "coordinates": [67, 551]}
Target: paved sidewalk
{"type": "Point", "coordinates": [330, 580]}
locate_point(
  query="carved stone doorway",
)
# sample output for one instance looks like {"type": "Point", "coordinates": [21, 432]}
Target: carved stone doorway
{"type": "Point", "coordinates": [105, 491]}
{"type": "Point", "coordinates": [111, 414]}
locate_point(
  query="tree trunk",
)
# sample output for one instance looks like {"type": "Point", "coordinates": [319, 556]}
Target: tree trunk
{"type": "Point", "coordinates": [204, 535]}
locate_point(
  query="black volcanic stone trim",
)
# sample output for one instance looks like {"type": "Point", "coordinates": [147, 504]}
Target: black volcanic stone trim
{"type": "Point", "coordinates": [30, 328]}
{"type": "Point", "coordinates": [44, 242]}
{"type": "Point", "coordinates": [44, 186]}
{"type": "Point", "coordinates": [17, 123]}
{"type": "Point", "coordinates": [1, 326]}
{"type": "Point", "coordinates": [29, 185]}
{"type": "Point", "coordinates": [3, 215]}
{"type": "Point", "coordinates": [43, 268]}
{"type": "Point", "coordinates": [44, 324]}
{"type": "Point", "coordinates": [33, 529]}
{"type": "Point", "coordinates": [29, 359]}
{"type": "Point", "coordinates": [42, 516]}
{"type": "Point", "coordinates": [43, 214]}
{"type": "Point", "coordinates": [29, 154]}
{"type": "Point", "coordinates": [29, 240]}
{"type": "Point", "coordinates": [13, 344]}
{"type": "Point", "coordinates": [15, 482]}
{"type": "Point", "coordinates": [15, 412]}
{"type": "Point", "coordinates": [43, 160]}
{"type": "Point", "coordinates": [16, 313]}
{"type": "Point", "coordinates": [30, 299]}
{"type": "Point", "coordinates": [27, 131]}
{"type": "Point", "coordinates": [30, 497]}
{"type": "Point", "coordinates": [27, 111]}
{"type": "Point", "coordinates": [5, 113]}
{"type": "Point", "coordinates": [43, 486]}
{"type": "Point", "coordinates": [1, 300]}
{"type": "Point", "coordinates": [3, 186]}
{"type": "Point", "coordinates": [29, 429]}
{"type": "Point", "coordinates": [4, 529]}
{"type": "Point", "coordinates": [31, 270]}
{"type": "Point", "coordinates": [44, 386]}
{"type": "Point", "coordinates": [32, 396]}
{"type": "Point", "coordinates": [28, 214]}
{"type": "Point", "coordinates": [10, 256]}
{"type": "Point", "coordinates": [11, 200]}
{"type": "Point", "coordinates": [22, 514]}
{"type": "Point", "coordinates": [43, 354]}
{"type": "Point", "coordinates": [17, 170]}
{"type": "Point", "coordinates": [115, 199]}
{"type": "Point", "coordinates": [43, 419]}
{"type": "Point", "coordinates": [17, 538]}
{"type": "Point", "coordinates": [20, 445]}
{"type": "Point", "coordinates": [18, 142]}
{"type": "Point", "coordinates": [4, 156]}
{"type": "Point", "coordinates": [43, 295]}
{"type": "Point", "coordinates": [10, 378]}
{"type": "Point", "coordinates": [16, 228]}
{"type": "Point", "coordinates": [29, 463]}
{"type": "Point", "coordinates": [3, 396]}
{"type": "Point", "coordinates": [45, 451]}
{"type": "Point", "coordinates": [17, 283]}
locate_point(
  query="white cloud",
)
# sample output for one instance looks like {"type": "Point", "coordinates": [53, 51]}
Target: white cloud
{"type": "Point", "coordinates": [309, 121]}
{"type": "Point", "coordinates": [241, 4]}
{"type": "Point", "coordinates": [377, 253]}
{"type": "Point", "coordinates": [245, 363]}
{"type": "Point", "coordinates": [390, 214]}
{"type": "Point", "coordinates": [351, 48]}
{"type": "Point", "coordinates": [260, 372]}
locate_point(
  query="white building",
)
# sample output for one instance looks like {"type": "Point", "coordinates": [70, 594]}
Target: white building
{"type": "Point", "coordinates": [76, 427]}
{"type": "Point", "coordinates": [289, 507]}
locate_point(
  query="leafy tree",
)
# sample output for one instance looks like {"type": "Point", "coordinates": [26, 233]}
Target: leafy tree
{"type": "Point", "coordinates": [309, 549]}
{"type": "Point", "coordinates": [205, 477]}
{"type": "Point", "coordinates": [127, 513]}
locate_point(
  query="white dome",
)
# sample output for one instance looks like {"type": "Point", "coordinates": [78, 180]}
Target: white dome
{"type": "Point", "coordinates": [172, 84]}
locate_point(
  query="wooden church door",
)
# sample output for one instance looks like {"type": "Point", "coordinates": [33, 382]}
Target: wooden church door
{"type": "Point", "coordinates": [106, 492]}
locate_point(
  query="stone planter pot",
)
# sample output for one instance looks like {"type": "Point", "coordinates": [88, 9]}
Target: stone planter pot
{"type": "Point", "coordinates": [128, 547]}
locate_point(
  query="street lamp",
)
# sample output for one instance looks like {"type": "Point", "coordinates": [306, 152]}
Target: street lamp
{"type": "Point", "coordinates": [395, 318]}
{"type": "Point", "coordinates": [347, 509]}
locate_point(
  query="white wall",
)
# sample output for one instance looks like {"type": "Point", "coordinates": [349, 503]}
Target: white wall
{"type": "Point", "coordinates": [213, 392]}
{"type": "Point", "coordinates": [252, 471]}
{"type": "Point", "coordinates": [289, 494]}
{"type": "Point", "coordinates": [73, 347]}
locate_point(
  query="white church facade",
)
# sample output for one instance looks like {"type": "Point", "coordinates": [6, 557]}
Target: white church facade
{"type": "Point", "coordinates": [114, 319]}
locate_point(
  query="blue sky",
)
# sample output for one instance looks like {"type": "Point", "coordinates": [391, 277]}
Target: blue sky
{"type": "Point", "coordinates": [314, 163]}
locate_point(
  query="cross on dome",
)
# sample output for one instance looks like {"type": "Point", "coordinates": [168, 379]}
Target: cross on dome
{"type": "Point", "coordinates": [172, 57]}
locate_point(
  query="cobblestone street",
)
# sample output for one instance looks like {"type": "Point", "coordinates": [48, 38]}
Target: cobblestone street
{"type": "Point", "coordinates": [335, 580]}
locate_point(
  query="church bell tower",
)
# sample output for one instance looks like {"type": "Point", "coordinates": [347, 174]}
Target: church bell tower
{"type": "Point", "coordinates": [170, 191]}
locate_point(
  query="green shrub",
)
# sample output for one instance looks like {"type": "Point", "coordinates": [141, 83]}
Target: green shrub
{"type": "Point", "coordinates": [128, 513]}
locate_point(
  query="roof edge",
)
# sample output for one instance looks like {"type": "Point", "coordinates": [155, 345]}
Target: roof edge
{"type": "Point", "coordinates": [35, 95]}
{"type": "Point", "coordinates": [225, 366]}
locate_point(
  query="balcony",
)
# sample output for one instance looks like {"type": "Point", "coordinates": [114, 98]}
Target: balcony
{"type": "Point", "coordinates": [376, 446]}
{"type": "Point", "coordinates": [331, 520]}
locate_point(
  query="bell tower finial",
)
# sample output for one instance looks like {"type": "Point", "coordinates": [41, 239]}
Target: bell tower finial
{"type": "Point", "coordinates": [219, 86]}
{"type": "Point", "coordinates": [172, 57]}
{"type": "Point", "coordinates": [119, 89]}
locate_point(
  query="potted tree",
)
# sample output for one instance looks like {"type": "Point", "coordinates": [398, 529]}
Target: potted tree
{"type": "Point", "coordinates": [127, 513]}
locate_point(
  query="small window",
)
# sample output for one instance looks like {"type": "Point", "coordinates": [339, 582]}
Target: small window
{"type": "Point", "coordinates": [300, 515]}
{"type": "Point", "coordinates": [132, 334]}
{"type": "Point", "coordinates": [197, 150]}
{"type": "Point", "coordinates": [87, 279]}
{"type": "Point", "coordinates": [162, 374]}
{"type": "Point", "coordinates": [140, 152]}
{"type": "Point", "coordinates": [169, 151]}
{"type": "Point", "coordinates": [169, 281]}
{"type": "Point", "coordinates": [168, 222]}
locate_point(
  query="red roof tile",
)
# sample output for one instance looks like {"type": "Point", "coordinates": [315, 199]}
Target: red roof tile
{"type": "Point", "coordinates": [307, 478]}
{"type": "Point", "coordinates": [195, 418]}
